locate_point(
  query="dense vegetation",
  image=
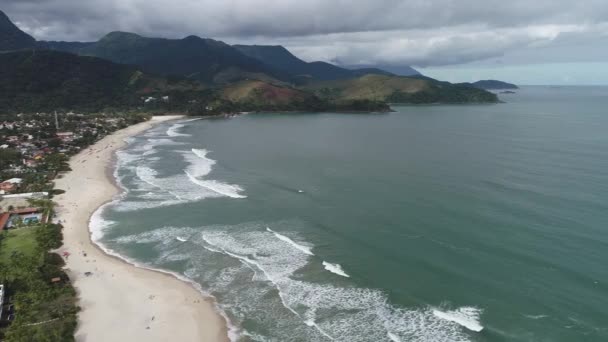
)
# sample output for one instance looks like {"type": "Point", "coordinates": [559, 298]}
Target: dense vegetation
{"type": "Point", "coordinates": [492, 85]}
{"type": "Point", "coordinates": [443, 94]}
{"type": "Point", "coordinates": [33, 80]}
{"type": "Point", "coordinates": [206, 60]}
{"type": "Point", "coordinates": [399, 89]}
{"type": "Point", "coordinates": [278, 57]}
{"type": "Point", "coordinates": [199, 76]}
{"type": "Point", "coordinates": [44, 311]}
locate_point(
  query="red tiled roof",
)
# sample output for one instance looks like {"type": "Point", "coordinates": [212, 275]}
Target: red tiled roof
{"type": "Point", "coordinates": [4, 219]}
{"type": "Point", "coordinates": [25, 211]}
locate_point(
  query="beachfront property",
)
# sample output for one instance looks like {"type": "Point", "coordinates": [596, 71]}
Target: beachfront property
{"type": "Point", "coordinates": [10, 185]}
{"type": "Point", "coordinates": [21, 217]}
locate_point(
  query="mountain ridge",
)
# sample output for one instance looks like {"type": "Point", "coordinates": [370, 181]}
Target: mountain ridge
{"type": "Point", "coordinates": [12, 37]}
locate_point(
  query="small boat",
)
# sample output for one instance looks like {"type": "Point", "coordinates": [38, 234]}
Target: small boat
{"type": "Point", "coordinates": [181, 239]}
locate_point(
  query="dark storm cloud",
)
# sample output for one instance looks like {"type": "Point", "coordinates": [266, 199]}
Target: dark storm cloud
{"type": "Point", "coordinates": [352, 32]}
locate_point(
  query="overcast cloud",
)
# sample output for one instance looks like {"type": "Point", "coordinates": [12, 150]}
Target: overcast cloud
{"type": "Point", "coordinates": [398, 32]}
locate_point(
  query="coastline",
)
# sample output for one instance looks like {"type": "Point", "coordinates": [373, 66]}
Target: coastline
{"type": "Point", "coordinates": [121, 301]}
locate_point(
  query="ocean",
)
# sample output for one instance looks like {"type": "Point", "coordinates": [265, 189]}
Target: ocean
{"type": "Point", "coordinates": [431, 223]}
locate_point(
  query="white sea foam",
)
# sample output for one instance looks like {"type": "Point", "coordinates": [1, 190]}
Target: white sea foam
{"type": "Point", "coordinates": [335, 268]}
{"type": "Point", "coordinates": [393, 337]}
{"type": "Point", "coordinates": [345, 313]}
{"type": "Point", "coordinates": [535, 317]}
{"type": "Point", "coordinates": [173, 130]}
{"type": "Point", "coordinates": [361, 314]}
{"type": "Point", "coordinates": [467, 317]}
{"type": "Point", "coordinates": [200, 166]}
{"type": "Point", "coordinates": [220, 188]}
{"type": "Point", "coordinates": [98, 224]}
{"type": "Point", "coordinates": [304, 249]}
{"type": "Point", "coordinates": [233, 331]}
{"type": "Point", "coordinates": [149, 190]}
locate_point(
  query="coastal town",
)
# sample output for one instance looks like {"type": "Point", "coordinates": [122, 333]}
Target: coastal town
{"type": "Point", "coordinates": [35, 148]}
{"type": "Point", "coordinates": [36, 296]}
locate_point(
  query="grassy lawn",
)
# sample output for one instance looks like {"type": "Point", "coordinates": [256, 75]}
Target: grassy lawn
{"type": "Point", "coordinates": [44, 312]}
{"type": "Point", "coordinates": [18, 240]}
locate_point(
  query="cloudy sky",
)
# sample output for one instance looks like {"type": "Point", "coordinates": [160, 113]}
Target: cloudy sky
{"type": "Point", "coordinates": [523, 41]}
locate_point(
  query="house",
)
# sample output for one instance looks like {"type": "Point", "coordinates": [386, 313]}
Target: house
{"type": "Point", "coordinates": [26, 216]}
{"type": "Point", "coordinates": [30, 163]}
{"type": "Point", "coordinates": [65, 136]}
{"type": "Point", "coordinates": [7, 187]}
{"type": "Point", "coordinates": [10, 185]}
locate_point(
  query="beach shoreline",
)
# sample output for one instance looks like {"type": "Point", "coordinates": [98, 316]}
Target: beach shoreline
{"type": "Point", "coordinates": [122, 301]}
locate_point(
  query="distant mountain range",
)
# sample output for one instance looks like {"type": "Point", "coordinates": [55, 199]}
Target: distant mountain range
{"type": "Point", "coordinates": [493, 85]}
{"type": "Point", "coordinates": [198, 74]}
{"type": "Point", "coordinates": [400, 70]}
{"type": "Point", "coordinates": [278, 57]}
{"type": "Point", "coordinates": [207, 60]}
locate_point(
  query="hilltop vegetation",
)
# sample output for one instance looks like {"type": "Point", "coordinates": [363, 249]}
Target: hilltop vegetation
{"type": "Point", "coordinates": [400, 89]}
{"type": "Point", "coordinates": [42, 80]}
{"type": "Point", "coordinates": [493, 85]}
{"type": "Point", "coordinates": [260, 96]}
{"type": "Point", "coordinates": [32, 81]}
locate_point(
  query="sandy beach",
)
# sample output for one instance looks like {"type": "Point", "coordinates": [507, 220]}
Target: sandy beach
{"type": "Point", "coordinates": [121, 302]}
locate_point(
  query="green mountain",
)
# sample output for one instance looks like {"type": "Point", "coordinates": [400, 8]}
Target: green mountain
{"type": "Point", "coordinates": [207, 60]}
{"type": "Point", "coordinates": [493, 85]}
{"type": "Point", "coordinates": [278, 57]}
{"type": "Point", "coordinates": [255, 95]}
{"type": "Point", "coordinates": [400, 89]}
{"type": "Point", "coordinates": [48, 80]}
{"type": "Point", "coordinates": [197, 74]}
{"type": "Point", "coordinates": [11, 37]}
{"type": "Point", "coordinates": [401, 70]}
{"type": "Point", "coordinates": [72, 47]}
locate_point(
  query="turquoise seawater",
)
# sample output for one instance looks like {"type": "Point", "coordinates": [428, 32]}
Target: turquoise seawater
{"type": "Point", "coordinates": [432, 223]}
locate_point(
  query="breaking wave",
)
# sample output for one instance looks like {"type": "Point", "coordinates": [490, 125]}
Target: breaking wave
{"type": "Point", "coordinates": [335, 268]}
{"type": "Point", "coordinates": [150, 190]}
{"type": "Point", "coordinates": [467, 317]}
{"type": "Point", "coordinates": [253, 269]}
{"type": "Point", "coordinates": [269, 280]}
{"type": "Point", "coordinates": [173, 131]}
{"type": "Point", "coordinates": [304, 249]}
